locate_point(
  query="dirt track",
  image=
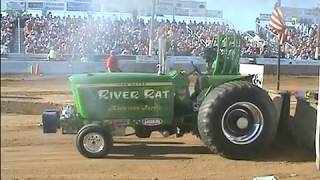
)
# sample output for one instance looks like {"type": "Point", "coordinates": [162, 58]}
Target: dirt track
{"type": "Point", "coordinates": [26, 153]}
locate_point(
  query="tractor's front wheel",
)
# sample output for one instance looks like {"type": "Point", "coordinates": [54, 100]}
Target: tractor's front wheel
{"type": "Point", "coordinates": [238, 120]}
{"type": "Point", "coordinates": [93, 141]}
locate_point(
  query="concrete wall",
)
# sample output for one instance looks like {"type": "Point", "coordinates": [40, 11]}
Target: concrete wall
{"type": "Point", "coordinates": [22, 67]}
{"type": "Point", "coordinates": [292, 69]}
{"type": "Point", "coordinates": [45, 67]}
{"type": "Point", "coordinates": [15, 67]}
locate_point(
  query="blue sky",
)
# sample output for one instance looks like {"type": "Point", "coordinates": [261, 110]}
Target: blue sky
{"type": "Point", "coordinates": [242, 13]}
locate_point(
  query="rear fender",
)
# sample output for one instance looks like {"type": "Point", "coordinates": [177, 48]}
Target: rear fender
{"type": "Point", "coordinates": [100, 124]}
{"type": "Point", "coordinates": [216, 81]}
{"type": "Point", "coordinates": [89, 125]}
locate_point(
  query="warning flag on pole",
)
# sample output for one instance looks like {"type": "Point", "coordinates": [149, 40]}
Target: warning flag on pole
{"type": "Point", "coordinates": [278, 25]}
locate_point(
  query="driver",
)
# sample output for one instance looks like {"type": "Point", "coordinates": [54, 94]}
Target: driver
{"type": "Point", "coordinates": [209, 55]}
{"type": "Point", "coordinates": [111, 63]}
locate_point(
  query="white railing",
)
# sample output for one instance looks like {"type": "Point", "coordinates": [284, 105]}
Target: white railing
{"type": "Point", "coordinates": [196, 36]}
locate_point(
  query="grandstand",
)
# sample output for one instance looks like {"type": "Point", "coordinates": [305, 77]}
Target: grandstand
{"type": "Point", "coordinates": [141, 7]}
{"type": "Point", "coordinates": [127, 29]}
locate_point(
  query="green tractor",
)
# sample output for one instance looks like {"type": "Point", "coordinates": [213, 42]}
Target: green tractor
{"type": "Point", "coordinates": [227, 111]}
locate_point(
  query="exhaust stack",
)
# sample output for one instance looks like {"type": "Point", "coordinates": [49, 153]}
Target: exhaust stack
{"type": "Point", "coordinates": [162, 55]}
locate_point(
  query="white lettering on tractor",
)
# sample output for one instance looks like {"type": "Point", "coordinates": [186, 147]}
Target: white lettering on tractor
{"type": "Point", "coordinates": [106, 94]}
{"type": "Point", "coordinates": [125, 95]}
{"type": "Point", "coordinates": [165, 94]}
{"type": "Point", "coordinates": [117, 95]}
{"type": "Point", "coordinates": [154, 94]}
{"type": "Point", "coordinates": [103, 94]}
{"type": "Point", "coordinates": [147, 94]}
{"type": "Point", "coordinates": [134, 95]}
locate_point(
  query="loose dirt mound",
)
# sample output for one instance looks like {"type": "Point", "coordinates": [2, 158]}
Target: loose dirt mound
{"type": "Point", "coordinates": [24, 107]}
{"type": "Point", "coordinates": [31, 95]}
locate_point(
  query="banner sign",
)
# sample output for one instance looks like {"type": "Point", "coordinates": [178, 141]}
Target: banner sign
{"type": "Point", "coordinates": [253, 69]}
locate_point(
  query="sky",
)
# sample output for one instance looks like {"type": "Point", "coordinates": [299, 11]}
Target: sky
{"type": "Point", "coordinates": [242, 13]}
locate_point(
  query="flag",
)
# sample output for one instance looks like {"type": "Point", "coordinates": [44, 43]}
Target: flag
{"type": "Point", "coordinates": [278, 25]}
{"type": "Point", "coordinates": [283, 36]}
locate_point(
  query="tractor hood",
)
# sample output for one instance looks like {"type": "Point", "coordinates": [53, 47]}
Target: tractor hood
{"type": "Point", "coordinates": [105, 96]}
{"type": "Point", "coordinates": [118, 77]}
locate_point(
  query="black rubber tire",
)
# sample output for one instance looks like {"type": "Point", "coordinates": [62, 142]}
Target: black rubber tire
{"type": "Point", "coordinates": [50, 121]}
{"type": "Point", "coordinates": [94, 128]}
{"type": "Point", "coordinates": [142, 132]}
{"type": "Point", "coordinates": [216, 103]}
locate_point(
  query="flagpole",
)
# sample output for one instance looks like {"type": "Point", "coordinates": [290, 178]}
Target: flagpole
{"type": "Point", "coordinates": [279, 56]}
{"type": "Point", "coordinates": [277, 23]}
{"type": "Point", "coordinates": [278, 66]}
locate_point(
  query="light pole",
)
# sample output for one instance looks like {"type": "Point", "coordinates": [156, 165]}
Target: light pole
{"type": "Point", "coordinates": [18, 14]}
{"type": "Point", "coordinates": [318, 43]}
{"type": "Point", "coordinates": [279, 3]}
{"type": "Point", "coordinates": [174, 10]}
{"type": "Point", "coordinates": [152, 28]}
{"type": "Point", "coordinates": [318, 40]}
{"type": "Point", "coordinates": [19, 35]}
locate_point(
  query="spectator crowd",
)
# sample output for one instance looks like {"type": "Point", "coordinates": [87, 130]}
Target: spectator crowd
{"type": "Point", "coordinates": [85, 35]}
{"type": "Point", "coordinates": [73, 35]}
{"type": "Point", "coordinates": [304, 41]}
{"type": "Point", "coordinates": [7, 33]}
{"type": "Point", "coordinates": [301, 43]}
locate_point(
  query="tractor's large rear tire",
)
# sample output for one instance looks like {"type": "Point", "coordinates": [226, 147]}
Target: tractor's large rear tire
{"type": "Point", "coordinates": [237, 120]}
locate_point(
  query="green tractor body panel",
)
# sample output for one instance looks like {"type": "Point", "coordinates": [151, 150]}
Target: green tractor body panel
{"type": "Point", "coordinates": [134, 97]}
